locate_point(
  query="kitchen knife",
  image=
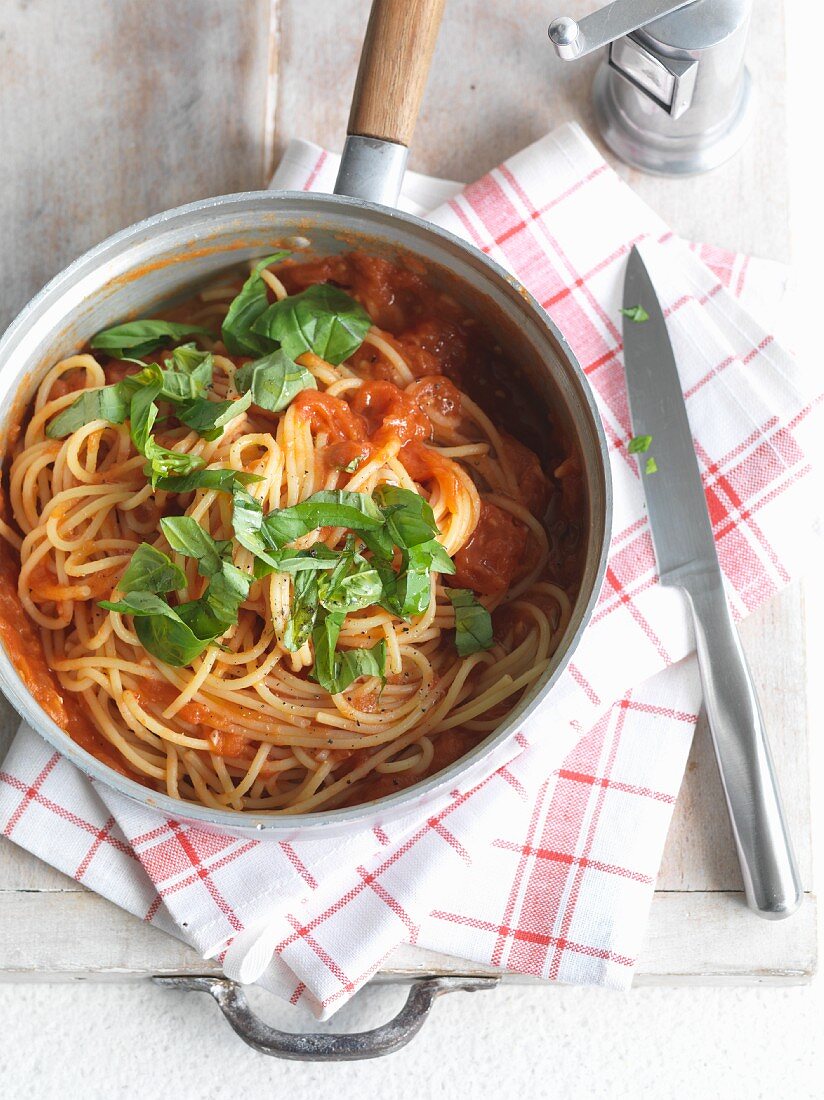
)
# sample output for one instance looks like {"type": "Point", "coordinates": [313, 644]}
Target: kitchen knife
{"type": "Point", "coordinates": [687, 559]}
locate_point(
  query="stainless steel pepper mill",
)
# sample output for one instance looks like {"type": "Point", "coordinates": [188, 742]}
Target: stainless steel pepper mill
{"type": "Point", "coordinates": [673, 95]}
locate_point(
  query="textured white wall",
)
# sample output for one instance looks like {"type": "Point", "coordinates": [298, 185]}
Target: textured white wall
{"type": "Point", "coordinates": [108, 1041]}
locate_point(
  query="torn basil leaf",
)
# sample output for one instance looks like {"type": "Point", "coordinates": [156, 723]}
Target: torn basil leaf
{"type": "Point", "coordinates": [303, 612]}
{"type": "Point", "coordinates": [245, 309]}
{"type": "Point", "coordinates": [335, 670]}
{"type": "Point", "coordinates": [150, 570]}
{"type": "Point", "coordinates": [188, 374]}
{"type": "Point", "coordinates": [224, 481]}
{"type": "Point", "coordinates": [639, 444]}
{"type": "Point", "coordinates": [165, 463]}
{"type": "Point", "coordinates": [409, 518]}
{"type": "Point", "coordinates": [209, 418]}
{"type": "Point", "coordinates": [185, 535]}
{"type": "Point", "coordinates": [227, 590]}
{"type": "Point", "coordinates": [159, 627]}
{"type": "Point", "coordinates": [273, 381]}
{"type": "Point", "coordinates": [360, 589]}
{"type": "Point", "coordinates": [319, 558]}
{"type": "Point", "coordinates": [322, 319]}
{"type": "Point", "coordinates": [247, 523]}
{"type": "Point", "coordinates": [414, 587]}
{"type": "Point", "coordinates": [141, 337]}
{"type": "Point", "coordinates": [171, 639]}
{"type": "Point", "coordinates": [473, 623]}
{"type": "Point", "coordinates": [108, 403]}
{"type": "Point", "coordinates": [337, 508]}
{"type": "Point", "coordinates": [327, 508]}
{"type": "Point", "coordinates": [353, 584]}
{"type": "Point", "coordinates": [143, 411]}
{"type": "Point", "coordinates": [636, 313]}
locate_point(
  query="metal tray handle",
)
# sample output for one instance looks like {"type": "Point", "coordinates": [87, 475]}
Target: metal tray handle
{"type": "Point", "coordinates": [318, 1047]}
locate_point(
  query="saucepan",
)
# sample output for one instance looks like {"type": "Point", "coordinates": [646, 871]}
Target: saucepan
{"type": "Point", "coordinates": [159, 259]}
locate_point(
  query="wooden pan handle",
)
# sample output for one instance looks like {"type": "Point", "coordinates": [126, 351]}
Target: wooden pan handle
{"type": "Point", "coordinates": [394, 64]}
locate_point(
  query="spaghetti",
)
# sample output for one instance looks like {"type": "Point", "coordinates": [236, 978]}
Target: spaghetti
{"type": "Point", "coordinates": [272, 555]}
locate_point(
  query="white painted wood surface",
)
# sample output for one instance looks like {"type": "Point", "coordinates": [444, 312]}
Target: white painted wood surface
{"type": "Point", "coordinates": [141, 105]}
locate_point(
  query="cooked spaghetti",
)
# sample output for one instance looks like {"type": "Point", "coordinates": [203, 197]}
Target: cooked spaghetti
{"type": "Point", "coordinates": [268, 553]}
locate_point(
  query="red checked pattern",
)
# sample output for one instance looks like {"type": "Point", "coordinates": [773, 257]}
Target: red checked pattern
{"type": "Point", "coordinates": [547, 866]}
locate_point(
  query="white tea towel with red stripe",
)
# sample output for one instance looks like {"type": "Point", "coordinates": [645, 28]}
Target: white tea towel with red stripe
{"type": "Point", "coordinates": [547, 867]}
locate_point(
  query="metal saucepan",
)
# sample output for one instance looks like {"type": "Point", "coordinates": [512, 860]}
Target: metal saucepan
{"type": "Point", "coordinates": [156, 260]}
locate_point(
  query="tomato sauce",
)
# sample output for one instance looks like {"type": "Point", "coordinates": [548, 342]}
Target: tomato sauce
{"type": "Point", "coordinates": [488, 561]}
{"type": "Point", "coordinates": [329, 414]}
{"type": "Point", "coordinates": [423, 464]}
{"type": "Point", "coordinates": [535, 486]}
{"type": "Point", "coordinates": [390, 414]}
{"type": "Point", "coordinates": [22, 642]}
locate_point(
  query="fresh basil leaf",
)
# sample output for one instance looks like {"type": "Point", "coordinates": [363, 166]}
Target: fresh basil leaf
{"type": "Point", "coordinates": [192, 377]}
{"type": "Point", "coordinates": [473, 623]}
{"type": "Point", "coordinates": [651, 466]}
{"type": "Point", "coordinates": [284, 525]}
{"type": "Point", "coordinates": [185, 535]}
{"type": "Point", "coordinates": [108, 403]}
{"type": "Point", "coordinates": [141, 337]}
{"type": "Point", "coordinates": [138, 603]}
{"type": "Point", "coordinates": [227, 590]}
{"type": "Point", "coordinates": [409, 592]}
{"type": "Point", "coordinates": [339, 508]}
{"type": "Point", "coordinates": [247, 522]}
{"type": "Point", "coordinates": [409, 517]}
{"type": "Point", "coordinates": [245, 309]}
{"type": "Point", "coordinates": [414, 588]}
{"type": "Point", "coordinates": [160, 629]}
{"type": "Point", "coordinates": [209, 418]}
{"type": "Point", "coordinates": [189, 359]}
{"type": "Point", "coordinates": [352, 664]}
{"type": "Point", "coordinates": [381, 545]}
{"type": "Point", "coordinates": [344, 564]}
{"type": "Point", "coordinates": [266, 536]}
{"type": "Point", "coordinates": [201, 619]}
{"type": "Point", "coordinates": [639, 444]}
{"type": "Point", "coordinates": [273, 381]}
{"type": "Point", "coordinates": [303, 611]}
{"type": "Point", "coordinates": [413, 592]}
{"type": "Point", "coordinates": [637, 314]}
{"type": "Point", "coordinates": [170, 639]}
{"type": "Point", "coordinates": [322, 319]}
{"type": "Point", "coordinates": [414, 583]}
{"type": "Point", "coordinates": [327, 508]}
{"type": "Point", "coordinates": [362, 588]}
{"type": "Point", "coordinates": [324, 641]}
{"type": "Point", "coordinates": [164, 463]}
{"type": "Point", "coordinates": [319, 558]}
{"type": "Point", "coordinates": [143, 411]}
{"type": "Point", "coordinates": [433, 554]}
{"type": "Point", "coordinates": [150, 570]}
{"type": "Point", "coordinates": [224, 481]}
{"type": "Point", "coordinates": [335, 669]}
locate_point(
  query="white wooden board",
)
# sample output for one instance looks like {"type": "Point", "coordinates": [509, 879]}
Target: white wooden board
{"type": "Point", "coordinates": [92, 143]}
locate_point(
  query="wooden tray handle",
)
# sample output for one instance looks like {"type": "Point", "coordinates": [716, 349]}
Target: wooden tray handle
{"type": "Point", "coordinates": [394, 64]}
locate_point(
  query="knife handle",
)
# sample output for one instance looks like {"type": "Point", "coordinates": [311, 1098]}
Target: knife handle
{"type": "Point", "coordinates": [771, 880]}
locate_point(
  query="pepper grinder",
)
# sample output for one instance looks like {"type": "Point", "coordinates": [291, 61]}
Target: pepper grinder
{"type": "Point", "coordinates": [673, 95]}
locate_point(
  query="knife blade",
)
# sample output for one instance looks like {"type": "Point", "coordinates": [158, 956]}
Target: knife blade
{"type": "Point", "coordinates": [687, 558]}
